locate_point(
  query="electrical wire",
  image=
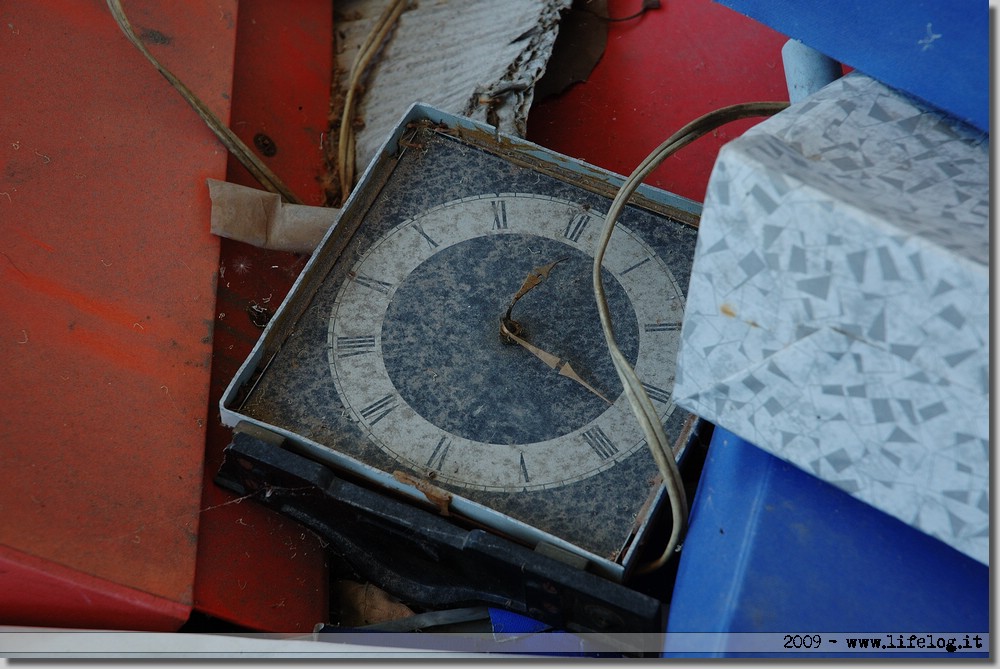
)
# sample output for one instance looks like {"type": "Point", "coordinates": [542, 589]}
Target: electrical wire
{"type": "Point", "coordinates": [642, 407]}
{"type": "Point", "coordinates": [261, 172]}
{"type": "Point", "coordinates": [373, 42]}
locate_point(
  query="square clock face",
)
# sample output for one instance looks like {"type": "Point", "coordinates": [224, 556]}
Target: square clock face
{"type": "Point", "coordinates": [388, 363]}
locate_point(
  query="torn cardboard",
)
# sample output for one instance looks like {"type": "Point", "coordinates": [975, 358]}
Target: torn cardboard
{"type": "Point", "coordinates": [478, 58]}
{"type": "Point", "coordinates": [838, 309]}
{"type": "Point", "coordinates": [474, 58]}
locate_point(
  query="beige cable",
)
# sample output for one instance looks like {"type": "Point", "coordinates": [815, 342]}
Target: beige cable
{"type": "Point", "coordinates": [373, 42]}
{"type": "Point", "coordinates": [233, 144]}
{"type": "Point", "coordinates": [642, 407]}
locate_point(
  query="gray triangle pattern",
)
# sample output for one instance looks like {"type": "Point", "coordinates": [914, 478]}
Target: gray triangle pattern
{"type": "Point", "coordinates": [840, 290]}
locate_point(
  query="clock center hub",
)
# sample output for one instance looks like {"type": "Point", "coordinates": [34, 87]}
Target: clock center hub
{"type": "Point", "coordinates": [443, 353]}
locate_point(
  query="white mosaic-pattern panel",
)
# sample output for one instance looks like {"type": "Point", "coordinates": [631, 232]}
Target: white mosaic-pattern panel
{"type": "Point", "coordinates": [838, 311]}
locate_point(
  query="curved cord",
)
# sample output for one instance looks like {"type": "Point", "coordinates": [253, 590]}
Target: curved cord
{"type": "Point", "coordinates": [373, 41]}
{"type": "Point", "coordinates": [642, 407]}
{"type": "Point", "coordinates": [261, 172]}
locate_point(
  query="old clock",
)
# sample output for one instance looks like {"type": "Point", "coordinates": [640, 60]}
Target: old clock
{"type": "Point", "coordinates": [442, 349]}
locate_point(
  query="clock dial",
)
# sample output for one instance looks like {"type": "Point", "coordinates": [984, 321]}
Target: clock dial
{"type": "Point", "coordinates": [416, 352]}
{"type": "Point", "coordinates": [388, 358]}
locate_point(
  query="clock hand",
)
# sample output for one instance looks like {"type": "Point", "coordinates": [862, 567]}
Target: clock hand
{"type": "Point", "coordinates": [535, 277]}
{"type": "Point", "coordinates": [554, 361]}
{"type": "Point", "coordinates": [510, 329]}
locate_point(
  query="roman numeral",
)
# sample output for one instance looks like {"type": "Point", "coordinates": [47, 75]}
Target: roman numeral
{"type": "Point", "coordinates": [368, 282]}
{"type": "Point", "coordinates": [379, 409]}
{"type": "Point", "coordinates": [661, 327]}
{"type": "Point", "coordinates": [600, 443]}
{"type": "Point", "coordinates": [433, 244]}
{"type": "Point", "coordinates": [636, 266]}
{"type": "Point", "coordinates": [524, 470]}
{"type": "Point", "coordinates": [657, 394]}
{"type": "Point", "coordinates": [436, 461]}
{"type": "Point", "coordinates": [576, 226]}
{"type": "Point", "coordinates": [351, 346]}
{"type": "Point", "coordinates": [499, 214]}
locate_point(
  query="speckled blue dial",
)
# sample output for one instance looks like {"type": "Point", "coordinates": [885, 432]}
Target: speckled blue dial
{"type": "Point", "coordinates": [417, 357]}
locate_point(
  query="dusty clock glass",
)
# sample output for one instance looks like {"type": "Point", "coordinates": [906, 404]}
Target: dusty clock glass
{"type": "Point", "coordinates": [389, 364]}
{"type": "Point", "coordinates": [417, 354]}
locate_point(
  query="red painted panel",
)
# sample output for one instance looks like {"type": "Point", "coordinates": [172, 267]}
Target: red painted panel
{"type": "Point", "coordinates": [45, 594]}
{"type": "Point", "coordinates": [281, 89]}
{"type": "Point", "coordinates": [107, 285]}
{"type": "Point", "coordinates": [257, 568]}
{"type": "Point", "coordinates": [658, 73]}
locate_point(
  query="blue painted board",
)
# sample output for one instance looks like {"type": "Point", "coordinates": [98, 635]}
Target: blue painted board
{"type": "Point", "coordinates": [937, 50]}
{"type": "Point", "coordinates": [772, 549]}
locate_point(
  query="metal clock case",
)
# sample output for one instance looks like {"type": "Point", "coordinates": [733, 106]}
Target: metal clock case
{"type": "Point", "coordinates": [387, 362]}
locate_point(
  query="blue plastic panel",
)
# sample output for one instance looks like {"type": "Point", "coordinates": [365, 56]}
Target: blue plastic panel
{"type": "Point", "coordinates": [772, 549]}
{"type": "Point", "coordinates": [937, 50]}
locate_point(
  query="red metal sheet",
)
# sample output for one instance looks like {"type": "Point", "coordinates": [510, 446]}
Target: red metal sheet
{"type": "Point", "coordinates": [107, 285]}
{"type": "Point", "coordinates": [256, 568]}
{"type": "Point", "coordinates": [658, 73]}
{"type": "Point", "coordinates": [46, 594]}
